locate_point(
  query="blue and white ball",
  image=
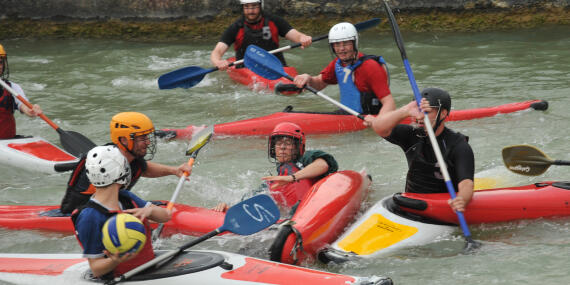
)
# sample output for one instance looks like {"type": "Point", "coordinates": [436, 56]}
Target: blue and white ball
{"type": "Point", "coordinates": [124, 233]}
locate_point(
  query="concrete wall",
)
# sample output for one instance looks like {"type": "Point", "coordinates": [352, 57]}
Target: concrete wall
{"type": "Point", "coordinates": [205, 9]}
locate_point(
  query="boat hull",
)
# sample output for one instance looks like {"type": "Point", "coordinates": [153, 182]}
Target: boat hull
{"type": "Point", "coordinates": [192, 267]}
{"type": "Point", "coordinates": [187, 220]}
{"type": "Point", "coordinates": [256, 82]}
{"type": "Point", "coordinates": [382, 230]}
{"type": "Point", "coordinates": [33, 154]}
{"type": "Point", "coordinates": [326, 123]}
{"type": "Point", "coordinates": [321, 217]}
{"type": "Point", "coordinates": [540, 200]}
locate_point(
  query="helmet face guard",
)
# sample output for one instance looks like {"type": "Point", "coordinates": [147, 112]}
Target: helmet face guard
{"type": "Point", "coordinates": [289, 130]}
{"type": "Point", "coordinates": [343, 32]}
{"type": "Point", "coordinates": [439, 99]}
{"type": "Point", "coordinates": [133, 127]}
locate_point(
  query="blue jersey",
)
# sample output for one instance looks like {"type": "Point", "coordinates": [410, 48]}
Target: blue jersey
{"type": "Point", "coordinates": [89, 225]}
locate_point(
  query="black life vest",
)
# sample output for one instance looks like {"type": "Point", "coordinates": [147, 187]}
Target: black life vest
{"type": "Point", "coordinates": [262, 38]}
{"type": "Point", "coordinates": [79, 189]}
{"type": "Point", "coordinates": [425, 176]}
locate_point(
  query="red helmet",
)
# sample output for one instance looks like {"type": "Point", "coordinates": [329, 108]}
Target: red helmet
{"type": "Point", "coordinates": [287, 129]}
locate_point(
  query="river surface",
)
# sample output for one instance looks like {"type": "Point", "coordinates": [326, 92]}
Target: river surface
{"type": "Point", "coordinates": [81, 84]}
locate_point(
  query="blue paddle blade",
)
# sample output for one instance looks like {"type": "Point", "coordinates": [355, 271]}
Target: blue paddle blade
{"type": "Point", "coordinates": [184, 78]}
{"type": "Point", "coordinates": [263, 63]}
{"type": "Point", "coordinates": [251, 216]}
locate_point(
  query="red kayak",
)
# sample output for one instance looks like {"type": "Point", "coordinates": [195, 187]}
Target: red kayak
{"type": "Point", "coordinates": [326, 123]}
{"type": "Point", "coordinates": [258, 83]}
{"type": "Point", "coordinates": [186, 219]}
{"type": "Point", "coordinates": [539, 200]}
{"type": "Point", "coordinates": [321, 217]}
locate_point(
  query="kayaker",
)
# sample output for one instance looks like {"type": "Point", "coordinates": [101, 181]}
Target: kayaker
{"type": "Point", "coordinates": [424, 175]}
{"type": "Point", "coordinates": [109, 170]}
{"type": "Point", "coordinates": [9, 103]}
{"type": "Point", "coordinates": [297, 169]}
{"type": "Point", "coordinates": [133, 134]}
{"type": "Point", "coordinates": [257, 27]}
{"type": "Point", "coordinates": [362, 79]}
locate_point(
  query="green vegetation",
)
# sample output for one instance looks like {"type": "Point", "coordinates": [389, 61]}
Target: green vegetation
{"type": "Point", "coordinates": [191, 29]}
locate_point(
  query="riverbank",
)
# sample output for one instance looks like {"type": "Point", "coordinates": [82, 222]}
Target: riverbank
{"type": "Point", "coordinates": [211, 29]}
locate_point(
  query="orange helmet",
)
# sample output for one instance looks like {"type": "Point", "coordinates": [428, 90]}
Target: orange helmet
{"type": "Point", "coordinates": [4, 72]}
{"type": "Point", "coordinates": [130, 125]}
{"type": "Point", "coordinates": [287, 129]}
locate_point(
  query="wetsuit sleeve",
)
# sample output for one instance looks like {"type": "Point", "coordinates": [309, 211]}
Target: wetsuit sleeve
{"type": "Point", "coordinates": [88, 228]}
{"type": "Point", "coordinates": [283, 27]}
{"type": "Point", "coordinates": [328, 74]}
{"type": "Point", "coordinates": [374, 78]}
{"type": "Point", "coordinates": [402, 135]}
{"type": "Point", "coordinates": [230, 34]}
{"type": "Point", "coordinates": [464, 162]}
{"type": "Point", "coordinates": [312, 155]}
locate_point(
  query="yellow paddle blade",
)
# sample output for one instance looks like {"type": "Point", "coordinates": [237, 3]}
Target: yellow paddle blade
{"type": "Point", "coordinates": [199, 140]}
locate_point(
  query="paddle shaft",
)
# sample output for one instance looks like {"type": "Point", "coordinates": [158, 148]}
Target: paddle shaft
{"type": "Point", "coordinates": [335, 102]}
{"type": "Point", "coordinates": [28, 104]}
{"type": "Point", "coordinates": [170, 204]}
{"type": "Point", "coordinates": [428, 126]}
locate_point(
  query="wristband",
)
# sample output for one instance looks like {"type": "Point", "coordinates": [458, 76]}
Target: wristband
{"type": "Point", "coordinates": [294, 178]}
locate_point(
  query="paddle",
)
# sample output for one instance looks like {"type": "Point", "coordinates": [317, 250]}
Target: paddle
{"type": "Point", "coordinates": [244, 218]}
{"type": "Point", "coordinates": [73, 142]}
{"type": "Point", "coordinates": [528, 160]}
{"type": "Point", "coordinates": [470, 243]}
{"type": "Point", "coordinates": [189, 76]}
{"type": "Point", "coordinates": [198, 141]}
{"type": "Point", "coordinates": [269, 66]}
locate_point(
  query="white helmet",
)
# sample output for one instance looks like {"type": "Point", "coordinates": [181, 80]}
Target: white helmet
{"type": "Point", "coordinates": [343, 32]}
{"type": "Point", "coordinates": [243, 2]}
{"type": "Point", "coordinates": [106, 165]}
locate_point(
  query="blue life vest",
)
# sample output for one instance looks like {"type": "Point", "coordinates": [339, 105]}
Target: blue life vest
{"type": "Point", "coordinates": [361, 102]}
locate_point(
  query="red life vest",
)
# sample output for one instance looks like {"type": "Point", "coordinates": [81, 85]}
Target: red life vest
{"type": "Point", "coordinates": [7, 108]}
{"type": "Point", "coordinates": [291, 193]}
{"type": "Point", "coordinates": [146, 254]}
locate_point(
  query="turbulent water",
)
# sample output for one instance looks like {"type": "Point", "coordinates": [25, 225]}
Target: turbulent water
{"type": "Point", "coordinates": [80, 84]}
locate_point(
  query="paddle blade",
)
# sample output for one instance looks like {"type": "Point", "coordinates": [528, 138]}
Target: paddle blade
{"type": "Point", "coordinates": [526, 160]}
{"type": "Point", "coordinates": [74, 142]}
{"type": "Point", "coordinates": [263, 63]}
{"type": "Point", "coordinates": [185, 77]}
{"type": "Point", "coordinates": [199, 140]}
{"type": "Point", "coordinates": [367, 24]}
{"type": "Point", "coordinates": [251, 216]}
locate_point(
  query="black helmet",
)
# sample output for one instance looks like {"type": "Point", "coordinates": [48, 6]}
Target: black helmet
{"type": "Point", "coordinates": [437, 98]}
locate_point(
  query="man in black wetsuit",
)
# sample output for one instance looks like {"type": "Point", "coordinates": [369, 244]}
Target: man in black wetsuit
{"type": "Point", "coordinates": [424, 175]}
{"type": "Point", "coordinates": [255, 27]}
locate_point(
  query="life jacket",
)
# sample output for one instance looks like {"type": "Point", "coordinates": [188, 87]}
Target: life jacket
{"type": "Point", "coordinates": [7, 108]}
{"type": "Point", "coordinates": [291, 193]}
{"type": "Point", "coordinates": [79, 189]}
{"type": "Point", "coordinates": [425, 176]}
{"type": "Point", "coordinates": [361, 102]}
{"type": "Point", "coordinates": [264, 38]}
{"type": "Point", "coordinates": [146, 253]}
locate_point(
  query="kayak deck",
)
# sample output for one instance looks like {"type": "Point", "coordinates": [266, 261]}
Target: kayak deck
{"type": "Point", "coordinates": [331, 123]}
{"type": "Point", "coordinates": [35, 154]}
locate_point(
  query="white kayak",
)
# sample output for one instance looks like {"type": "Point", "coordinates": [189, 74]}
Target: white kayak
{"type": "Point", "coordinates": [191, 267]}
{"type": "Point", "coordinates": [382, 230]}
{"type": "Point", "coordinates": [35, 154]}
